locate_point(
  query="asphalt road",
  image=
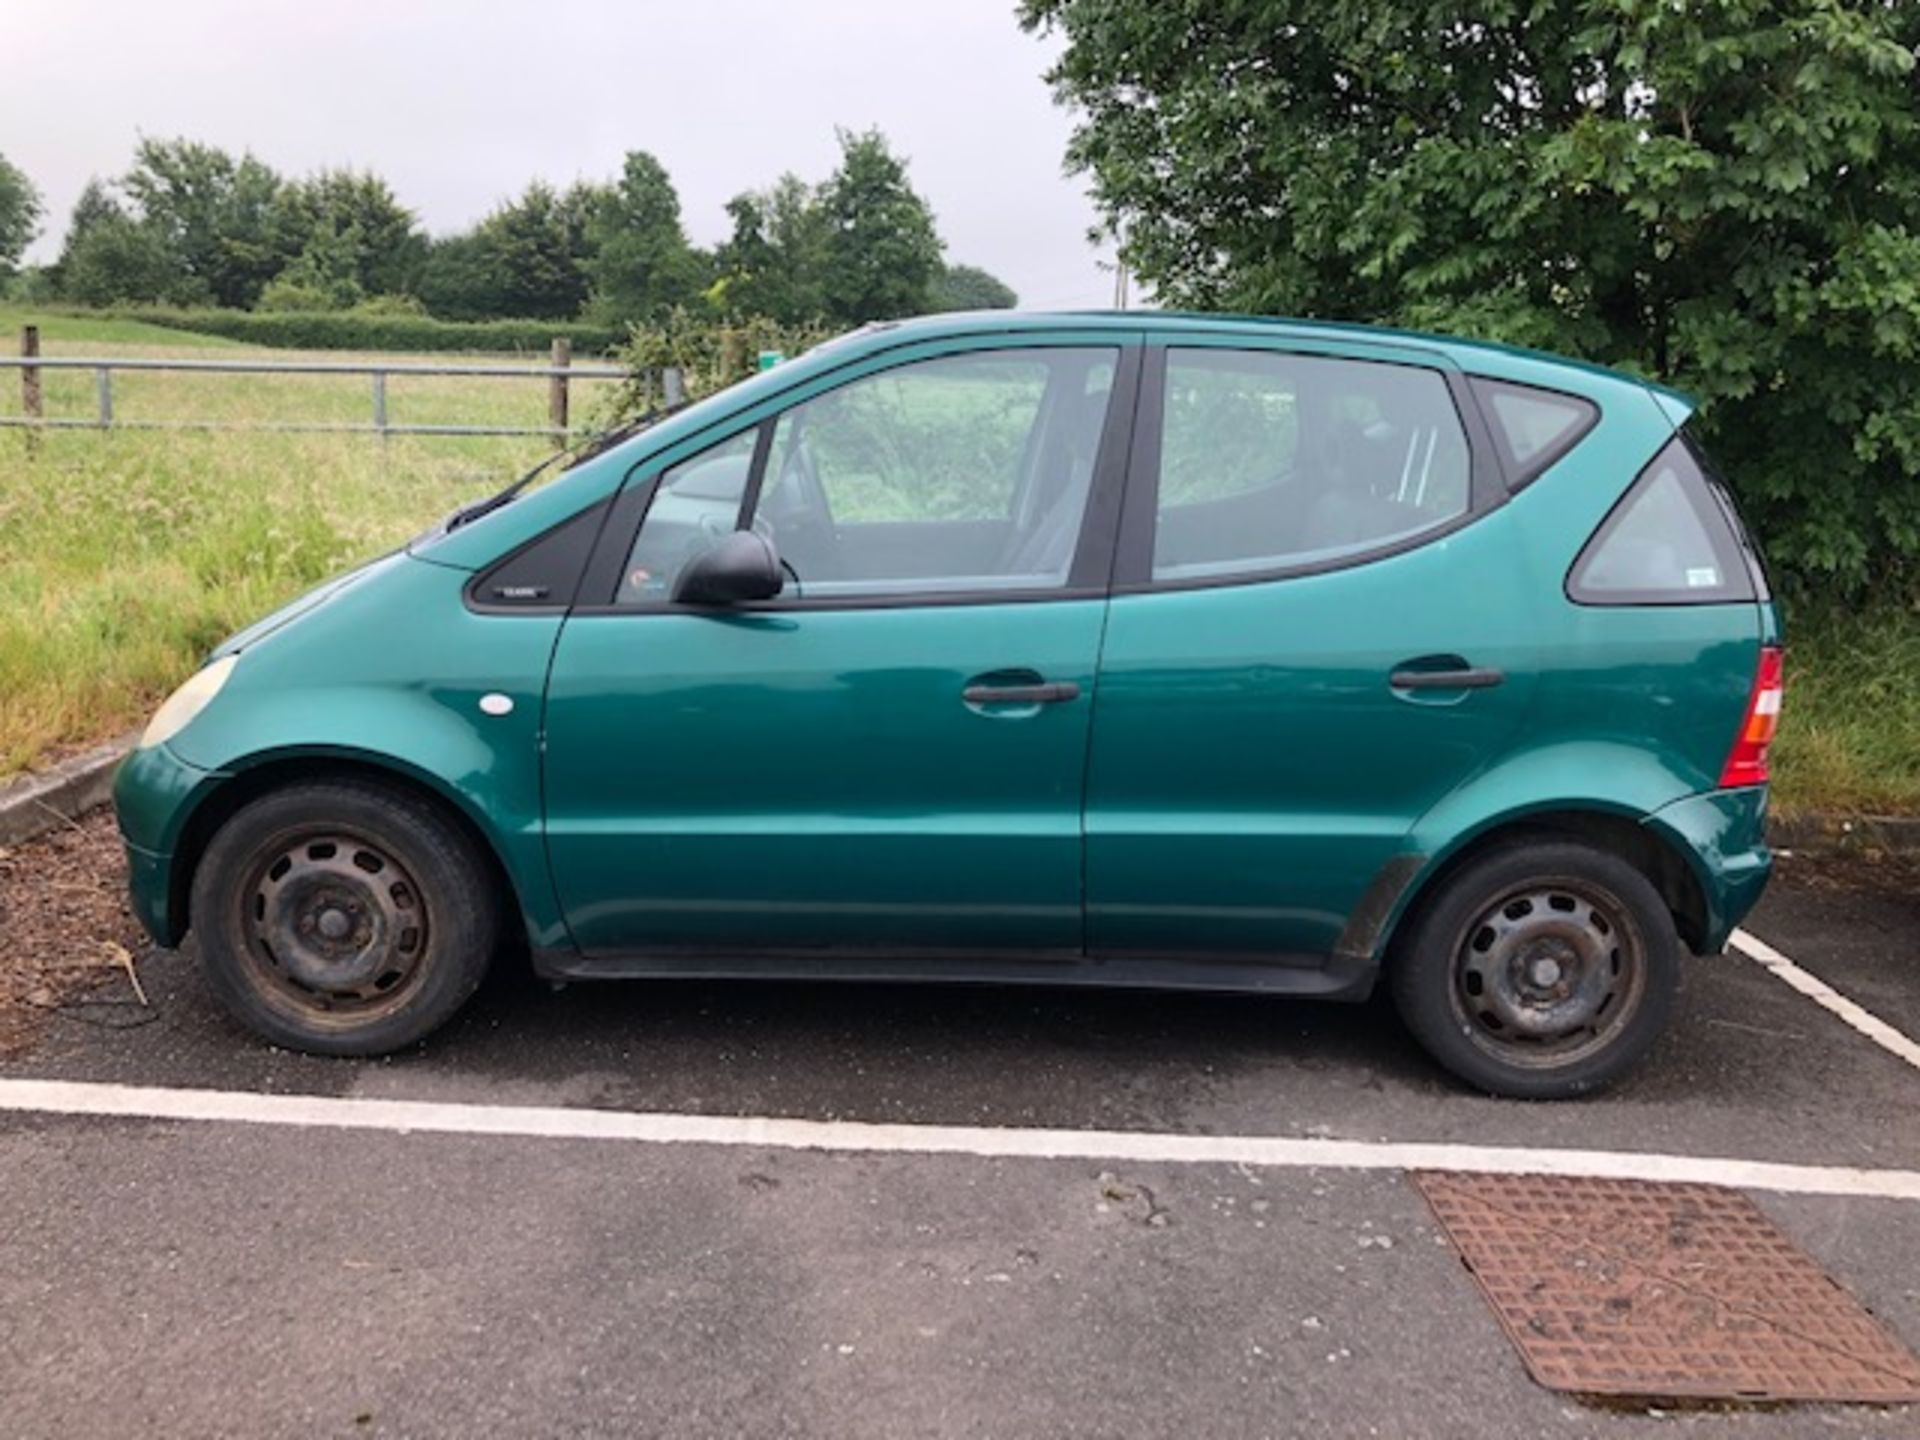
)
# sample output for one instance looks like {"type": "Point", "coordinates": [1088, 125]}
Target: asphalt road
{"type": "Point", "coordinates": [204, 1278]}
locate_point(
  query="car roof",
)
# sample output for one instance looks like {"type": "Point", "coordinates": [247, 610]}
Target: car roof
{"type": "Point", "coordinates": [1485, 357]}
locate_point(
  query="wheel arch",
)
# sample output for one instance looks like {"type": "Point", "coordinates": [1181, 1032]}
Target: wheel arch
{"type": "Point", "coordinates": [1619, 832]}
{"type": "Point", "coordinates": [260, 775]}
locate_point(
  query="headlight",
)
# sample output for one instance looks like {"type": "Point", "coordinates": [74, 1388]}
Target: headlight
{"type": "Point", "coordinates": [177, 712]}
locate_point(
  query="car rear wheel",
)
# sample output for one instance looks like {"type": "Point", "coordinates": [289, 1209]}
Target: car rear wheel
{"type": "Point", "coordinates": [1541, 970]}
{"type": "Point", "coordinates": [342, 917]}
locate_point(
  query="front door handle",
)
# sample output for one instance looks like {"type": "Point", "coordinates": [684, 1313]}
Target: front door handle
{"type": "Point", "coordinates": [1046, 692]}
{"type": "Point", "coordinates": [1474, 677]}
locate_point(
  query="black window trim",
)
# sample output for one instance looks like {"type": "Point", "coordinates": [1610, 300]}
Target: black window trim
{"type": "Point", "coordinates": [1133, 566]}
{"type": "Point", "coordinates": [756, 470]}
{"type": "Point", "coordinates": [474, 592]}
{"type": "Point", "coordinates": [1708, 508]}
{"type": "Point", "coordinates": [1519, 474]}
{"type": "Point", "coordinates": [1743, 536]}
{"type": "Point", "coordinates": [1088, 573]}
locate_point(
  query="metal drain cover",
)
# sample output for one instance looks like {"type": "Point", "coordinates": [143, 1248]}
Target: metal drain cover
{"type": "Point", "coordinates": [1624, 1287]}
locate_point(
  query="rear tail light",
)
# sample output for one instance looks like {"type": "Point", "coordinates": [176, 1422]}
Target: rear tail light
{"type": "Point", "coordinates": [1747, 762]}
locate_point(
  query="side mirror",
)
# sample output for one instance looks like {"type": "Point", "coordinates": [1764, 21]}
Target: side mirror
{"type": "Point", "coordinates": [742, 565]}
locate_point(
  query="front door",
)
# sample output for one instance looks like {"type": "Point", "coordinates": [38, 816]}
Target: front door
{"type": "Point", "coordinates": [890, 754]}
{"type": "Point", "coordinates": [1320, 627]}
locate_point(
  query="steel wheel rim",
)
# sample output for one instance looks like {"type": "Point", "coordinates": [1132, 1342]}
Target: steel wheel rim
{"type": "Point", "coordinates": [336, 924]}
{"type": "Point", "coordinates": [1548, 974]}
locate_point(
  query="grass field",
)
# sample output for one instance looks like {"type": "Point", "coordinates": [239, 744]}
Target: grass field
{"type": "Point", "coordinates": [124, 556]}
{"type": "Point", "coordinates": [85, 332]}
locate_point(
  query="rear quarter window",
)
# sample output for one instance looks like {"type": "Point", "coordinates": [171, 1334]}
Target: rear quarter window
{"type": "Point", "coordinates": [1671, 540]}
{"type": "Point", "coordinates": [1531, 427]}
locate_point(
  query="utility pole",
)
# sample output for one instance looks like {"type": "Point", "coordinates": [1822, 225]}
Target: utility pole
{"type": "Point", "coordinates": [1119, 282]}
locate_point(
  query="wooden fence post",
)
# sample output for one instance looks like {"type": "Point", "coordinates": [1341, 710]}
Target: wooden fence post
{"type": "Point", "coordinates": [561, 358]}
{"type": "Point", "coordinates": [30, 404]}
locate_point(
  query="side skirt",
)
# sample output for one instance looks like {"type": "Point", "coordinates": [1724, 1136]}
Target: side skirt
{"type": "Point", "coordinates": [1341, 977]}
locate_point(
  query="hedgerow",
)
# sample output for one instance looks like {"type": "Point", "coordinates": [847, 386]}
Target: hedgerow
{"type": "Point", "coordinates": [362, 330]}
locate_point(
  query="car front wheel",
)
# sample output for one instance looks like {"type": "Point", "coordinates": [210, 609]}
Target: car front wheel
{"type": "Point", "coordinates": [1541, 970]}
{"type": "Point", "coordinates": [343, 917]}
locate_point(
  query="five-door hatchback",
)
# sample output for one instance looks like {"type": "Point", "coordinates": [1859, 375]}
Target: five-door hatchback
{"type": "Point", "coordinates": [1135, 649]}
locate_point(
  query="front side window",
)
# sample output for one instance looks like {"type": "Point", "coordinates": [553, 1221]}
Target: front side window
{"type": "Point", "coordinates": [1270, 461]}
{"type": "Point", "coordinates": [963, 473]}
{"type": "Point", "coordinates": [694, 504]}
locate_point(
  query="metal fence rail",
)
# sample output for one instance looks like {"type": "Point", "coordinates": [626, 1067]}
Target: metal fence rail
{"type": "Point", "coordinates": [559, 372]}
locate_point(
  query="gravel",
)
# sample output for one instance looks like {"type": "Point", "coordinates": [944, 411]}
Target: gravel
{"type": "Point", "coordinates": [66, 934]}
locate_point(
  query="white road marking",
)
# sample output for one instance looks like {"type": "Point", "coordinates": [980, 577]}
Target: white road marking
{"type": "Point", "coordinates": [1828, 998]}
{"type": "Point", "coordinates": [67, 1097]}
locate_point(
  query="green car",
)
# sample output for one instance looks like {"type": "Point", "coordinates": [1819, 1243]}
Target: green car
{"type": "Point", "coordinates": [1190, 652]}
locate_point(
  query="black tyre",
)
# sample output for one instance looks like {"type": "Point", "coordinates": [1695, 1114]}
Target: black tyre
{"type": "Point", "coordinates": [343, 918]}
{"type": "Point", "coordinates": [1541, 970]}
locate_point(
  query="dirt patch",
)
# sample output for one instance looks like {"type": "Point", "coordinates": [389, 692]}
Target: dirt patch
{"type": "Point", "coordinates": [65, 930]}
{"type": "Point", "coordinates": [1861, 870]}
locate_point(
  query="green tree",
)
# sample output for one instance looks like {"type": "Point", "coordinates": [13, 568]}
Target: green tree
{"type": "Point", "coordinates": [215, 215]}
{"type": "Point", "coordinates": [525, 260]}
{"type": "Point", "coordinates": [581, 204]}
{"type": "Point", "coordinates": [534, 251]}
{"type": "Point", "coordinates": [968, 287]}
{"type": "Point", "coordinates": [1725, 197]}
{"type": "Point", "coordinates": [460, 279]}
{"type": "Point", "coordinates": [325, 275]}
{"type": "Point", "coordinates": [641, 264]}
{"type": "Point", "coordinates": [109, 258]}
{"type": "Point", "coordinates": [20, 212]}
{"type": "Point", "coordinates": [95, 206]}
{"type": "Point", "coordinates": [31, 285]}
{"type": "Point", "coordinates": [354, 228]}
{"type": "Point", "coordinates": [775, 262]}
{"type": "Point", "coordinates": [882, 252]}
{"type": "Point", "coordinates": [116, 260]}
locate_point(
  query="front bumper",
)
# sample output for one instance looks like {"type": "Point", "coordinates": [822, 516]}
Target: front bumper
{"type": "Point", "coordinates": [154, 793]}
{"type": "Point", "coordinates": [149, 891]}
{"type": "Point", "coordinates": [1723, 834]}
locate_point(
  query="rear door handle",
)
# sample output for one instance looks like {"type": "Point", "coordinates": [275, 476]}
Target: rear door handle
{"type": "Point", "coordinates": [1047, 692]}
{"type": "Point", "coordinates": [1473, 678]}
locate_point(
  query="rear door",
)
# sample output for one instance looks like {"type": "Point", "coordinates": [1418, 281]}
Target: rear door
{"type": "Point", "coordinates": [1319, 628]}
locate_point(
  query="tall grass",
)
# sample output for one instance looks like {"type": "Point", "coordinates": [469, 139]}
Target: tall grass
{"type": "Point", "coordinates": [1850, 734]}
{"type": "Point", "coordinates": [123, 558]}
{"type": "Point", "coordinates": [125, 555]}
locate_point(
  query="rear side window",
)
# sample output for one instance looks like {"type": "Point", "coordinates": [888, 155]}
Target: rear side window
{"type": "Point", "coordinates": [1672, 540]}
{"type": "Point", "coordinates": [1532, 427]}
{"type": "Point", "coordinates": [1270, 461]}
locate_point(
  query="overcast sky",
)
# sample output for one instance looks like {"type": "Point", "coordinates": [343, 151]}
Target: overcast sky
{"type": "Point", "coordinates": [458, 103]}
